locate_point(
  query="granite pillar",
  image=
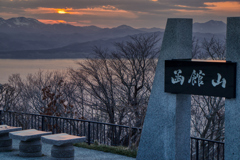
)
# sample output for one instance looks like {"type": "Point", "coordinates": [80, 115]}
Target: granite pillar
{"type": "Point", "coordinates": [232, 106]}
{"type": "Point", "coordinates": [166, 129]}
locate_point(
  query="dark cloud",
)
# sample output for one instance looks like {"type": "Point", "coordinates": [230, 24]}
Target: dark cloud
{"type": "Point", "coordinates": [133, 5]}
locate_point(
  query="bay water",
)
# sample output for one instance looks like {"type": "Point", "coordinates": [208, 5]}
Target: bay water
{"type": "Point", "coordinates": [27, 66]}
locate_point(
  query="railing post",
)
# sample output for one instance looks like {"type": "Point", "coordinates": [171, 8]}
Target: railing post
{"type": "Point", "coordinates": [89, 138]}
{"type": "Point", "coordinates": [191, 151]}
{"type": "Point", "coordinates": [112, 137]}
{"type": "Point", "coordinates": [197, 149]}
{"type": "Point", "coordinates": [223, 151]}
{"type": "Point", "coordinates": [203, 146]}
{"type": "Point", "coordinates": [1, 115]}
{"type": "Point", "coordinates": [115, 135]}
{"type": "Point", "coordinates": [42, 123]}
{"type": "Point", "coordinates": [13, 119]}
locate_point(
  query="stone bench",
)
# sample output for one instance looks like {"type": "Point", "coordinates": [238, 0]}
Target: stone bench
{"type": "Point", "coordinates": [62, 145]}
{"type": "Point", "coordinates": [30, 144]}
{"type": "Point", "coordinates": [5, 140]}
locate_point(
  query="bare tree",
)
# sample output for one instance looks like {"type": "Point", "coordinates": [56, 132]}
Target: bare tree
{"type": "Point", "coordinates": [196, 51]}
{"type": "Point", "coordinates": [208, 111]}
{"type": "Point", "coordinates": [10, 94]}
{"type": "Point", "coordinates": [98, 81]}
{"type": "Point", "coordinates": [120, 81]}
{"type": "Point", "coordinates": [48, 93]}
{"type": "Point", "coordinates": [208, 119]}
{"type": "Point", "coordinates": [134, 65]}
{"type": "Point", "coordinates": [214, 48]}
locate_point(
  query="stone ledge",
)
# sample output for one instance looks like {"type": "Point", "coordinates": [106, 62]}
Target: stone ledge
{"type": "Point", "coordinates": [7, 129]}
{"type": "Point", "coordinates": [28, 134]}
{"type": "Point", "coordinates": [62, 138]}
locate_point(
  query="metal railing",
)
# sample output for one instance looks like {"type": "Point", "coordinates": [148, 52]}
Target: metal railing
{"type": "Point", "coordinates": [103, 133]}
{"type": "Point", "coordinates": [203, 149]}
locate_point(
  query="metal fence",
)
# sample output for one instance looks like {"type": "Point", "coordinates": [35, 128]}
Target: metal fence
{"type": "Point", "coordinates": [103, 133]}
{"type": "Point", "coordinates": [203, 149]}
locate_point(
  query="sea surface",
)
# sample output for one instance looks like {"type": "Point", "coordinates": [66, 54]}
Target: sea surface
{"type": "Point", "coordinates": [24, 67]}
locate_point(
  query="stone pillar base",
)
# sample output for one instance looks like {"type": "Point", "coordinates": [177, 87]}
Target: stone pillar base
{"type": "Point", "coordinates": [5, 142]}
{"type": "Point", "coordinates": [5, 149]}
{"type": "Point", "coordinates": [61, 152]}
{"type": "Point", "coordinates": [30, 148]}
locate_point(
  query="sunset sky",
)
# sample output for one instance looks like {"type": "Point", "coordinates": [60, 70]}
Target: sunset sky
{"type": "Point", "coordinates": [112, 13]}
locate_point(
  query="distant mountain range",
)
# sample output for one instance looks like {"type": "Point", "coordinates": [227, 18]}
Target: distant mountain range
{"type": "Point", "coordinates": [210, 27]}
{"type": "Point", "coordinates": [28, 38]}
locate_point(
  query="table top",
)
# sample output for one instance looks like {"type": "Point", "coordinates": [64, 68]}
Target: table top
{"type": "Point", "coordinates": [28, 134]}
{"type": "Point", "coordinates": [7, 129]}
{"type": "Point", "coordinates": [62, 138]}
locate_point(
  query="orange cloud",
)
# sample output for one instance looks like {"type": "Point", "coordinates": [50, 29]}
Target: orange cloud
{"type": "Point", "coordinates": [43, 10]}
{"type": "Point", "coordinates": [224, 6]}
{"type": "Point", "coordinates": [48, 21]}
{"type": "Point", "coordinates": [229, 8]}
{"type": "Point", "coordinates": [78, 23]}
{"type": "Point", "coordinates": [40, 10]}
{"type": "Point", "coordinates": [183, 6]}
{"type": "Point", "coordinates": [106, 11]}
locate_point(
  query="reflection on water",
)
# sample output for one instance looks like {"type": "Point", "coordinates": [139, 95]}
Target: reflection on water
{"type": "Point", "coordinates": [24, 67]}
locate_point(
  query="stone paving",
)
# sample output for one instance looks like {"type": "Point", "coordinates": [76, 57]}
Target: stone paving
{"type": "Point", "coordinates": [80, 154]}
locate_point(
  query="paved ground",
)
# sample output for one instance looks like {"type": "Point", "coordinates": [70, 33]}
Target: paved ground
{"type": "Point", "coordinates": [80, 154]}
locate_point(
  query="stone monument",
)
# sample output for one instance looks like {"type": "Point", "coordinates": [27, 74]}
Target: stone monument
{"type": "Point", "coordinates": [166, 129]}
{"type": "Point", "coordinates": [232, 106]}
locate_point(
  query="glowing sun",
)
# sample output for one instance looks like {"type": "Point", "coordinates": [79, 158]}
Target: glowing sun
{"type": "Point", "coordinates": [61, 12]}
